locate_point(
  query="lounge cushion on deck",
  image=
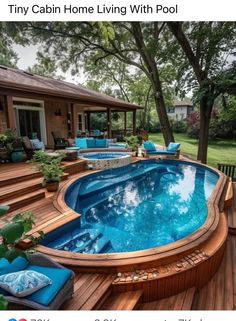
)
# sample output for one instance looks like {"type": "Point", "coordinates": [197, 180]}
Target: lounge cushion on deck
{"type": "Point", "coordinates": [91, 143]}
{"type": "Point", "coordinates": [58, 277]}
{"type": "Point", "coordinates": [81, 143]}
{"type": "Point", "coordinates": [160, 152]}
{"type": "Point", "coordinates": [149, 146]}
{"type": "Point", "coordinates": [173, 147]}
{"type": "Point", "coordinates": [101, 143]}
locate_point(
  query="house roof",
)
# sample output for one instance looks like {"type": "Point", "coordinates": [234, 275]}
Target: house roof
{"type": "Point", "coordinates": [19, 81]}
{"type": "Point", "coordinates": [181, 103]}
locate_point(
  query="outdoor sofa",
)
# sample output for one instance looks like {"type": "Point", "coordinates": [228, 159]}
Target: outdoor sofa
{"type": "Point", "coordinates": [173, 149]}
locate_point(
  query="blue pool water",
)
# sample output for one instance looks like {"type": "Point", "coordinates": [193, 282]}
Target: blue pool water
{"type": "Point", "coordinates": [136, 207]}
{"type": "Point", "coordinates": [95, 156]}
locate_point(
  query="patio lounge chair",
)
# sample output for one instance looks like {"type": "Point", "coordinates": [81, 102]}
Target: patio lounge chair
{"type": "Point", "coordinates": [30, 146]}
{"type": "Point", "coordinates": [150, 149]}
{"type": "Point", "coordinates": [59, 142]}
{"type": "Point", "coordinates": [50, 297]}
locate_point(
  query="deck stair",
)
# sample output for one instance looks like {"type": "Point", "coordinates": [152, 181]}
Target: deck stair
{"type": "Point", "coordinates": [180, 301]}
{"type": "Point", "coordinates": [129, 300]}
{"type": "Point", "coordinates": [90, 291]}
{"type": "Point", "coordinates": [24, 200]}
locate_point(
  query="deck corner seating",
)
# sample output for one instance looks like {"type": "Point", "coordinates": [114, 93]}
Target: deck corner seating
{"type": "Point", "coordinates": [31, 145]}
{"type": "Point", "coordinates": [173, 149]}
{"type": "Point", "coordinates": [85, 145]}
{"type": "Point", "coordinates": [50, 297]}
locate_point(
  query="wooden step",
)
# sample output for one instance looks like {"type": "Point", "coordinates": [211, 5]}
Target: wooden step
{"type": "Point", "coordinates": [123, 301]}
{"type": "Point", "coordinates": [24, 200]}
{"type": "Point", "coordinates": [181, 301]}
{"type": "Point", "coordinates": [89, 290]}
{"type": "Point", "coordinates": [19, 176]}
{"type": "Point", "coordinates": [19, 189]}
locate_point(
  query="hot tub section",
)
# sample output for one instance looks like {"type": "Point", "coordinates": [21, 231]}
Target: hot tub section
{"type": "Point", "coordinates": [106, 160]}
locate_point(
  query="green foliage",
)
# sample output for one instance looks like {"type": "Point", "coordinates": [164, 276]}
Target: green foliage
{"type": "Point", "coordinates": [13, 231]}
{"type": "Point", "coordinates": [7, 55]}
{"type": "Point", "coordinates": [178, 126]}
{"type": "Point", "coordinates": [133, 142]}
{"type": "Point", "coordinates": [3, 303]}
{"type": "Point", "coordinates": [49, 165]}
{"type": "Point", "coordinates": [10, 140]}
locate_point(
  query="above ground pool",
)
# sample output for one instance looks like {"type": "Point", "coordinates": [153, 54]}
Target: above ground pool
{"type": "Point", "coordinates": [105, 160]}
{"type": "Point", "coordinates": [136, 207]}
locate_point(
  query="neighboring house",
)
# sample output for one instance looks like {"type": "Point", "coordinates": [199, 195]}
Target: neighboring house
{"type": "Point", "coordinates": [180, 110]}
{"type": "Point", "coordinates": [33, 104]}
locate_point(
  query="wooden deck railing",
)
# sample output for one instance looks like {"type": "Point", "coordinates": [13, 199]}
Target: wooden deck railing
{"type": "Point", "coordinates": [229, 170]}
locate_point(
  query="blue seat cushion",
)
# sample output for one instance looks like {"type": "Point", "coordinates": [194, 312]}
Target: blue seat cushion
{"type": "Point", "coordinates": [160, 152]}
{"type": "Point", "coordinates": [18, 264]}
{"type": "Point", "coordinates": [101, 143]}
{"type": "Point", "coordinates": [91, 143]}
{"type": "Point", "coordinates": [149, 146]}
{"type": "Point", "coordinates": [81, 143]}
{"type": "Point", "coordinates": [58, 277]}
{"type": "Point", "coordinates": [173, 147]}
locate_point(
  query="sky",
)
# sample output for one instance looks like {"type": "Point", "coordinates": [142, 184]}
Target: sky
{"type": "Point", "coordinates": [27, 58]}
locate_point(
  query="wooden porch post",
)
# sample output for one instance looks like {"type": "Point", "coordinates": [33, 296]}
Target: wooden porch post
{"type": "Point", "coordinates": [125, 123]}
{"type": "Point", "coordinates": [109, 123]}
{"type": "Point", "coordinates": [134, 122]}
{"type": "Point", "coordinates": [11, 118]}
{"type": "Point", "coordinates": [74, 120]}
{"type": "Point", "coordinates": [88, 120]}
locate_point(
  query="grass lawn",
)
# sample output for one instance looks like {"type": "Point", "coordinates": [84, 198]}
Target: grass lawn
{"type": "Point", "coordinates": [220, 151]}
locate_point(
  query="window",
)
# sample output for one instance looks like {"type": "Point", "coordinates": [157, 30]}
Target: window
{"type": "Point", "coordinates": [170, 110]}
{"type": "Point", "coordinates": [189, 110]}
{"type": "Point", "coordinates": [80, 121]}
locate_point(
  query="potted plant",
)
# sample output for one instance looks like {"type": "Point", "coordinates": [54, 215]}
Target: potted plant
{"type": "Point", "coordinates": [14, 146]}
{"type": "Point", "coordinates": [133, 142]}
{"type": "Point", "coordinates": [12, 233]}
{"type": "Point", "coordinates": [49, 165]}
{"type": "Point", "coordinates": [4, 152]}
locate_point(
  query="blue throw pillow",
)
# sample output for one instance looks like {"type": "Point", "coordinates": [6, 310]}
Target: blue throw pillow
{"type": "Point", "coordinates": [149, 146]}
{"type": "Point", "coordinates": [23, 283]}
{"type": "Point", "coordinates": [16, 265]}
{"type": "Point", "coordinates": [91, 143]}
{"type": "Point", "coordinates": [173, 147]}
{"type": "Point", "coordinates": [81, 143]}
{"type": "Point", "coordinates": [101, 143]}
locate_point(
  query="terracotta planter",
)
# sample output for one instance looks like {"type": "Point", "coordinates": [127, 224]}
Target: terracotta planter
{"type": "Point", "coordinates": [4, 155]}
{"type": "Point", "coordinates": [52, 186]}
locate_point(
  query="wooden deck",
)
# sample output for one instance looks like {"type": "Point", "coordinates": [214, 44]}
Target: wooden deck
{"type": "Point", "coordinates": [96, 290]}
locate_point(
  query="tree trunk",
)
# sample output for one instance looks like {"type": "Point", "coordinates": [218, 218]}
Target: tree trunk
{"type": "Point", "coordinates": [205, 117]}
{"type": "Point", "coordinates": [163, 118]}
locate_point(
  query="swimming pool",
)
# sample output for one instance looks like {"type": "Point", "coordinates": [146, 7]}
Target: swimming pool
{"type": "Point", "coordinates": [105, 160]}
{"type": "Point", "coordinates": [136, 207]}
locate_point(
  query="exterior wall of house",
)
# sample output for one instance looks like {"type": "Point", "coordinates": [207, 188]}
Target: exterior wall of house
{"type": "Point", "coordinates": [3, 116]}
{"type": "Point", "coordinates": [180, 113]}
{"type": "Point", "coordinates": [53, 122]}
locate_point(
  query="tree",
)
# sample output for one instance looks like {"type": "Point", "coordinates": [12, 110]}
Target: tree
{"type": "Point", "coordinates": [209, 49]}
{"type": "Point", "coordinates": [45, 66]}
{"type": "Point", "coordinates": [75, 43]}
{"type": "Point", "coordinates": [7, 55]}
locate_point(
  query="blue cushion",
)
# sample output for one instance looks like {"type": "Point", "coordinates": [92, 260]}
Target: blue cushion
{"type": "Point", "coordinates": [18, 264]}
{"type": "Point", "coordinates": [101, 143]}
{"type": "Point", "coordinates": [149, 146]}
{"type": "Point", "coordinates": [91, 143]}
{"type": "Point", "coordinates": [23, 283]}
{"type": "Point", "coordinates": [37, 144]}
{"type": "Point", "coordinates": [173, 147]}
{"type": "Point", "coordinates": [58, 277]}
{"type": "Point", "coordinates": [97, 132]}
{"type": "Point", "coordinates": [160, 152]}
{"type": "Point", "coordinates": [81, 143]}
